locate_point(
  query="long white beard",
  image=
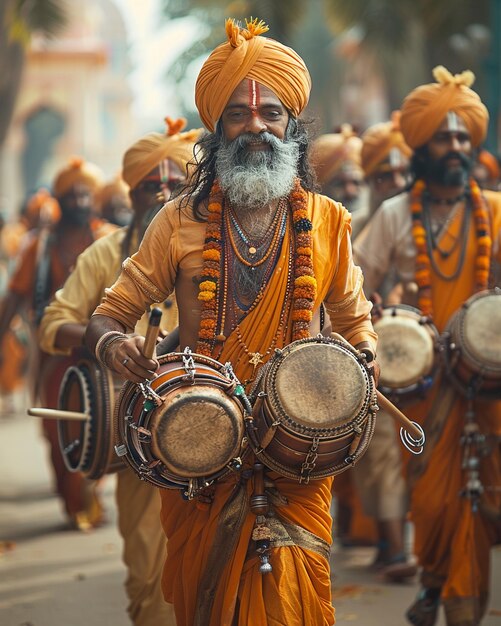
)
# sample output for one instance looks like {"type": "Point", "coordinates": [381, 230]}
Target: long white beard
{"type": "Point", "coordinates": [252, 179]}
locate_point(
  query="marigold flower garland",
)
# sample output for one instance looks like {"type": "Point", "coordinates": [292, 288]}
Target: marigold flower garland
{"type": "Point", "coordinates": [305, 284]}
{"type": "Point", "coordinates": [423, 263]}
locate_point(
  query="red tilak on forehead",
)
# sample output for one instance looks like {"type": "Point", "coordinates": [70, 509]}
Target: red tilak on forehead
{"type": "Point", "coordinates": [254, 96]}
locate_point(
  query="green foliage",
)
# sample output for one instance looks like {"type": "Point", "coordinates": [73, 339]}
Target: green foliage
{"type": "Point", "coordinates": [387, 24]}
{"type": "Point", "coordinates": [25, 17]}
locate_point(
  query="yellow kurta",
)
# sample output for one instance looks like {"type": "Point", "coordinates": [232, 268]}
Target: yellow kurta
{"type": "Point", "coordinates": [451, 542]}
{"type": "Point", "coordinates": [96, 269]}
{"type": "Point", "coordinates": [138, 503]}
{"type": "Point", "coordinates": [297, 592]}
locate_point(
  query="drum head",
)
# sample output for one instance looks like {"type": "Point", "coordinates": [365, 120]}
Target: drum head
{"type": "Point", "coordinates": [86, 446]}
{"type": "Point", "coordinates": [405, 350]}
{"type": "Point", "coordinates": [480, 330]}
{"type": "Point", "coordinates": [320, 385]}
{"type": "Point", "coordinates": [197, 431]}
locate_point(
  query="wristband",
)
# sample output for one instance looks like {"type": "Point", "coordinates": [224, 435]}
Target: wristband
{"type": "Point", "coordinates": [104, 342]}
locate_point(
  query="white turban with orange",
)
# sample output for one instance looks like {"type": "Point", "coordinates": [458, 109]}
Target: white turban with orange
{"type": "Point", "coordinates": [143, 156]}
{"type": "Point", "coordinates": [246, 54]}
{"type": "Point", "coordinates": [379, 140]}
{"type": "Point", "coordinates": [426, 107]}
{"type": "Point", "coordinates": [77, 171]}
{"type": "Point", "coordinates": [333, 151]}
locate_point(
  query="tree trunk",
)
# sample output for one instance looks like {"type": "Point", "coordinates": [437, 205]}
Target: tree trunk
{"type": "Point", "coordinates": [11, 69]}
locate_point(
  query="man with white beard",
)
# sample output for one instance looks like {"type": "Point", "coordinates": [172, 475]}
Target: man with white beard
{"type": "Point", "coordinates": [252, 253]}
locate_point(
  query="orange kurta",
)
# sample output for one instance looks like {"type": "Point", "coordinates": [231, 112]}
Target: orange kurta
{"type": "Point", "coordinates": [297, 592]}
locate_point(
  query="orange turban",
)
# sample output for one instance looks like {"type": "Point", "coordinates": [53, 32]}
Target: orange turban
{"type": "Point", "coordinates": [77, 171]}
{"type": "Point", "coordinates": [425, 108]}
{"type": "Point", "coordinates": [332, 151]}
{"type": "Point", "coordinates": [490, 163]}
{"type": "Point", "coordinates": [115, 187]}
{"type": "Point", "coordinates": [247, 55]}
{"type": "Point", "coordinates": [379, 140]}
{"type": "Point", "coordinates": [152, 149]}
{"type": "Point", "coordinates": [42, 206]}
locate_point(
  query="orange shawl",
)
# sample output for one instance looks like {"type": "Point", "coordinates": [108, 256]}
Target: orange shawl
{"type": "Point", "coordinates": [298, 574]}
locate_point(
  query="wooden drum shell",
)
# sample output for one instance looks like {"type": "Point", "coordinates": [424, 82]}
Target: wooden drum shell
{"type": "Point", "coordinates": [87, 446]}
{"type": "Point", "coordinates": [196, 435]}
{"type": "Point", "coordinates": [473, 344]}
{"type": "Point", "coordinates": [335, 433]}
{"type": "Point", "coordinates": [408, 346]}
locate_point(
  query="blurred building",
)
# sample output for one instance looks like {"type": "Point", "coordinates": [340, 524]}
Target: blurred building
{"type": "Point", "coordinates": [74, 100]}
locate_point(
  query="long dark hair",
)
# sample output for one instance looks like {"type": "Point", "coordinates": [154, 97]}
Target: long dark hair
{"type": "Point", "coordinates": [198, 189]}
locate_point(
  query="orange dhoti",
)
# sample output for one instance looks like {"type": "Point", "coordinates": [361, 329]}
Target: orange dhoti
{"type": "Point", "coordinates": [452, 541]}
{"type": "Point", "coordinates": [210, 546]}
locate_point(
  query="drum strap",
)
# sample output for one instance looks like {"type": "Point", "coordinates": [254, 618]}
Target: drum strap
{"type": "Point", "coordinates": [288, 534]}
{"type": "Point", "coordinates": [433, 428]}
{"type": "Point", "coordinates": [230, 522]}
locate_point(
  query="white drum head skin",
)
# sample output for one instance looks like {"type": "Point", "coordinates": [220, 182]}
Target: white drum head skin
{"type": "Point", "coordinates": [481, 330]}
{"type": "Point", "coordinates": [320, 385]}
{"type": "Point", "coordinates": [405, 350]}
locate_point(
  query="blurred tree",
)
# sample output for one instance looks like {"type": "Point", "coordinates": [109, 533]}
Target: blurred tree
{"type": "Point", "coordinates": [19, 20]}
{"type": "Point", "coordinates": [400, 41]}
{"type": "Point", "coordinates": [410, 37]}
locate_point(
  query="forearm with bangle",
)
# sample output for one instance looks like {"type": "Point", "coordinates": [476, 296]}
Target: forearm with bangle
{"type": "Point", "coordinates": [104, 342]}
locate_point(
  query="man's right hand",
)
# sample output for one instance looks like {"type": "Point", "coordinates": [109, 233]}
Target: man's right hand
{"type": "Point", "coordinates": [125, 357]}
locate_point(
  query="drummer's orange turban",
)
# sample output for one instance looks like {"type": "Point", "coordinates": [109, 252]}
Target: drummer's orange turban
{"type": "Point", "coordinates": [41, 206]}
{"type": "Point", "coordinates": [425, 108]}
{"type": "Point", "coordinates": [152, 149]}
{"type": "Point", "coordinates": [379, 140]}
{"type": "Point", "coordinates": [332, 151]}
{"type": "Point", "coordinates": [77, 171]}
{"type": "Point", "coordinates": [246, 54]}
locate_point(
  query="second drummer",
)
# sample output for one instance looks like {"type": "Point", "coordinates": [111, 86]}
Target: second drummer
{"type": "Point", "coordinates": [441, 239]}
{"type": "Point", "coordinates": [152, 167]}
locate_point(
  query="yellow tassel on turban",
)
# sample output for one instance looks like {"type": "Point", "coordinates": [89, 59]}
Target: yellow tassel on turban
{"type": "Point", "coordinates": [379, 140]}
{"type": "Point", "coordinates": [143, 156]}
{"type": "Point", "coordinates": [246, 54]}
{"type": "Point", "coordinates": [332, 151]}
{"type": "Point", "coordinates": [425, 108]}
{"type": "Point", "coordinates": [77, 171]}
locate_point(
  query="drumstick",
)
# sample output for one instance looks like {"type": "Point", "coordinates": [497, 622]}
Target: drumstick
{"type": "Point", "coordinates": [59, 414]}
{"type": "Point", "coordinates": [152, 333]}
{"type": "Point", "coordinates": [398, 416]}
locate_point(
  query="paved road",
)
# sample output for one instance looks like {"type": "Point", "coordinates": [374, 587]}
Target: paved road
{"type": "Point", "coordinates": [56, 577]}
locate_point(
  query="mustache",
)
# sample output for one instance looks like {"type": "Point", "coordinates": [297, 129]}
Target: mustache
{"type": "Point", "coordinates": [247, 139]}
{"type": "Point", "coordinates": [462, 158]}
